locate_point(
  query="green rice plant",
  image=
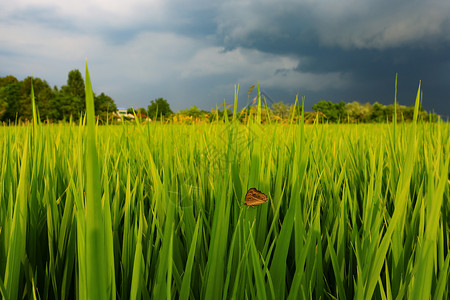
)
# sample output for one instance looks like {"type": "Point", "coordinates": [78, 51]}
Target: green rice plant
{"type": "Point", "coordinates": [96, 269]}
{"type": "Point", "coordinates": [17, 232]}
{"type": "Point", "coordinates": [152, 210]}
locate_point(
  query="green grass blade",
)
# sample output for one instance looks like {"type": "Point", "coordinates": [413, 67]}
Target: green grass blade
{"type": "Point", "coordinates": [16, 249]}
{"type": "Point", "coordinates": [95, 240]}
{"type": "Point", "coordinates": [138, 263]}
{"type": "Point", "coordinates": [185, 286]}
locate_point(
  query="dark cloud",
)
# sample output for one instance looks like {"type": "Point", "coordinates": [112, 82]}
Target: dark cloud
{"type": "Point", "coordinates": [369, 41]}
{"type": "Point", "coordinates": [195, 51]}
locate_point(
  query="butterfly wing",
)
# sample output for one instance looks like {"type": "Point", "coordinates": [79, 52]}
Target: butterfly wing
{"type": "Point", "coordinates": [255, 197]}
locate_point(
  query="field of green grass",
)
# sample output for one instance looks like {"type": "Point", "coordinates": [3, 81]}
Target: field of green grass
{"type": "Point", "coordinates": [156, 211]}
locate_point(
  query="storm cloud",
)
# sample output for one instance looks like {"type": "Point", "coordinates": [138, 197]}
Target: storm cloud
{"type": "Point", "coordinates": [194, 52]}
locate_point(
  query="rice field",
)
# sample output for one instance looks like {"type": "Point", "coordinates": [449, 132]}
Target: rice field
{"type": "Point", "coordinates": [155, 211]}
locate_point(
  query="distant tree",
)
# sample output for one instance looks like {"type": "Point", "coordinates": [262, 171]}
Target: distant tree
{"type": "Point", "coordinates": [10, 101]}
{"type": "Point", "coordinates": [407, 112]}
{"type": "Point", "coordinates": [432, 117]}
{"type": "Point", "coordinates": [9, 97]}
{"type": "Point", "coordinates": [63, 107]}
{"type": "Point", "coordinates": [104, 106]}
{"type": "Point", "coordinates": [43, 94]}
{"type": "Point", "coordinates": [159, 107]}
{"type": "Point", "coordinates": [75, 85]}
{"type": "Point", "coordinates": [219, 114]}
{"type": "Point", "coordinates": [70, 99]}
{"type": "Point", "coordinates": [194, 112]}
{"type": "Point", "coordinates": [340, 111]}
{"type": "Point", "coordinates": [389, 111]}
{"type": "Point", "coordinates": [378, 114]}
{"type": "Point", "coordinates": [334, 112]}
{"type": "Point", "coordinates": [142, 112]}
{"type": "Point", "coordinates": [54, 104]}
{"type": "Point", "coordinates": [310, 117]}
{"type": "Point", "coordinates": [130, 111]}
{"type": "Point", "coordinates": [281, 110]}
{"type": "Point", "coordinates": [3, 104]}
{"type": "Point", "coordinates": [357, 113]}
{"type": "Point", "coordinates": [7, 80]}
{"type": "Point", "coordinates": [296, 111]}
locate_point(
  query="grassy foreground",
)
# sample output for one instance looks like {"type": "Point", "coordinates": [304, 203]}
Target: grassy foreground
{"type": "Point", "coordinates": [156, 211]}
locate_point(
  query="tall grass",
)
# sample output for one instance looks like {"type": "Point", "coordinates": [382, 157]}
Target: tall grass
{"type": "Point", "coordinates": [152, 211]}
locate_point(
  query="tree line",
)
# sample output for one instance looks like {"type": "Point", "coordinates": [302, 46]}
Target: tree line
{"type": "Point", "coordinates": [323, 112]}
{"type": "Point", "coordinates": [68, 102]}
{"type": "Point", "coordinates": [53, 104]}
{"type": "Point", "coordinates": [354, 112]}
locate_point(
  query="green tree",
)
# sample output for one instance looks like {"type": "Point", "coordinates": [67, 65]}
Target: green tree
{"type": "Point", "coordinates": [75, 84]}
{"type": "Point", "coordinates": [54, 104]}
{"type": "Point", "coordinates": [159, 107]}
{"type": "Point", "coordinates": [408, 112]}
{"type": "Point", "coordinates": [281, 110]}
{"type": "Point", "coordinates": [62, 107]}
{"type": "Point", "coordinates": [7, 80]}
{"type": "Point", "coordinates": [194, 112]}
{"type": "Point", "coordinates": [141, 112]}
{"type": "Point", "coordinates": [10, 101]}
{"type": "Point", "coordinates": [358, 113]}
{"type": "Point", "coordinates": [70, 101]}
{"type": "Point", "coordinates": [43, 94]}
{"type": "Point", "coordinates": [334, 112]}
{"type": "Point", "coordinates": [3, 104]}
{"type": "Point", "coordinates": [104, 106]}
{"type": "Point", "coordinates": [296, 111]}
{"type": "Point", "coordinates": [9, 97]}
{"type": "Point", "coordinates": [378, 113]}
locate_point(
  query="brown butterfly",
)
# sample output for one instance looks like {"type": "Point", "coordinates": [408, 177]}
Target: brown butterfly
{"type": "Point", "coordinates": [255, 197]}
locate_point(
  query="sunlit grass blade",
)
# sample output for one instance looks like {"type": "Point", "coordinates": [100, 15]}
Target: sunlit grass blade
{"type": "Point", "coordinates": [236, 93]}
{"type": "Point", "coordinates": [95, 241]}
{"type": "Point", "coordinates": [185, 286]}
{"type": "Point", "coordinates": [257, 271]}
{"type": "Point", "coordinates": [443, 279]}
{"type": "Point", "coordinates": [18, 236]}
{"type": "Point", "coordinates": [215, 266]}
{"type": "Point", "coordinates": [136, 280]}
{"type": "Point", "coordinates": [278, 267]}
{"type": "Point", "coordinates": [337, 272]}
{"type": "Point", "coordinates": [34, 108]}
{"type": "Point", "coordinates": [162, 285]}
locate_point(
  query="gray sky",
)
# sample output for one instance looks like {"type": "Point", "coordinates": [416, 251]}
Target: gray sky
{"type": "Point", "coordinates": [194, 52]}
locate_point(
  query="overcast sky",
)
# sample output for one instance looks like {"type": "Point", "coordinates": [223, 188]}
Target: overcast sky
{"type": "Point", "coordinates": [194, 52]}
